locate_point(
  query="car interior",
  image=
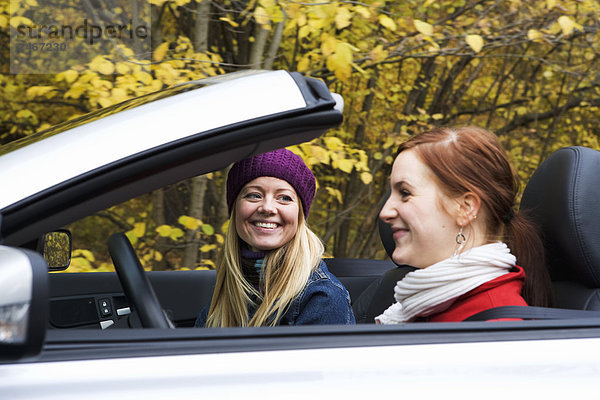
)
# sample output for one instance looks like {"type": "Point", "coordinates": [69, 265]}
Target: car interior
{"type": "Point", "coordinates": [561, 198]}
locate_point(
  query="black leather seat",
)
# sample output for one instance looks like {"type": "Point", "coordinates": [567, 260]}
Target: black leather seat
{"type": "Point", "coordinates": [379, 295]}
{"type": "Point", "coordinates": [563, 199]}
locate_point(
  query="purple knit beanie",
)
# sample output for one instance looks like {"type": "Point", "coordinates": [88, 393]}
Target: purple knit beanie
{"type": "Point", "coordinates": [282, 164]}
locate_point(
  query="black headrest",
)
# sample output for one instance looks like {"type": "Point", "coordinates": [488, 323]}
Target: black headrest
{"type": "Point", "coordinates": [385, 232]}
{"type": "Point", "coordinates": [563, 199]}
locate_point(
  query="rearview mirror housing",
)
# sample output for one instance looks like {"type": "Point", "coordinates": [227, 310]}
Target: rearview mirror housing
{"type": "Point", "coordinates": [23, 303]}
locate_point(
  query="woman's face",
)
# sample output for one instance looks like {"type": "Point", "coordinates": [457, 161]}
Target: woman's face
{"type": "Point", "coordinates": [267, 211]}
{"type": "Point", "coordinates": [423, 231]}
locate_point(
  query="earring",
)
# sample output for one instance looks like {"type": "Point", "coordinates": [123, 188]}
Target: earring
{"type": "Point", "coordinates": [460, 241]}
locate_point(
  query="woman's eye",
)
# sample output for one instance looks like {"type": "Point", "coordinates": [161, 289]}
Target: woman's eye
{"type": "Point", "coordinates": [252, 196]}
{"type": "Point", "coordinates": [404, 193]}
{"type": "Point", "coordinates": [286, 198]}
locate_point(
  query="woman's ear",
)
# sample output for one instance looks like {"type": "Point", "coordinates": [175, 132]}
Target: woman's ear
{"type": "Point", "coordinates": [469, 205]}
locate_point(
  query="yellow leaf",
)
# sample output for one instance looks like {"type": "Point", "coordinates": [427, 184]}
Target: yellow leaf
{"type": "Point", "coordinates": [79, 262]}
{"type": "Point", "coordinates": [366, 177]}
{"type": "Point", "coordinates": [304, 31]}
{"type": "Point", "coordinates": [378, 54]}
{"type": "Point", "coordinates": [160, 52]}
{"type": "Point", "coordinates": [328, 44]}
{"type": "Point", "coordinates": [132, 238]}
{"type": "Point", "coordinates": [118, 94]}
{"type": "Point", "coordinates": [88, 255]}
{"type": "Point", "coordinates": [343, 18]}
{"type": "Point", "coordinates": [225, 226]}
{"type": "Point", "coordinates": [340, 61]}
{"type": "Point", "coordinates": [176, 233]}
{"type": "Point", "coordinates": [105, 102]}
{"type": "Point", "coordinates": [387, 22]}
{"type": "Point", "coordinates": [164, 230]}
{"type": "Point", "coordinates": [229, 21]}
{"type": "Point", "coordinates": [321, 155]}
{"type": "Point", "coordinates": [475, 42]}
{"type": "Point", "coordinates": [389, 142]}
{"type": "Point", "coordinates": [25, 114]}
{"type": "Point", "coordinates": [16, 21]}
{"type": "Point", "coordinates": [551, 3]}
{"type": "Point", "coordinates": [335, 193]}
{"type": "Point", "coordinates": [220, 238]}
{"type": "Point", "coordinates": [345, 165]}
{"type": "Point", "coordinates": [102, 65]}
{"type": "Point", "coordinates": [139, 229]}
{"type": "Point", "coordinates": [423, 27]}
{"type": "Point", "coordinates": [70, 75]}
{"type": "Point", "coordinates": [434, 46]}
{"type": "Point", "coordinates": [362, 11]}
{"type": "Point", "coordinates": [122, 68]}
{"type": "Point", "coordinates": [437, 116]}
{"type": "Point", "coordinates": [35, 91]}
{"type": "Point", "coordinates": [208, 229]}
{"type": "Point", "coordinates": [43, 126]}
{"type": "Point", "coordinates": [333, 143]}
{"type": "Point", "coordinates": [534, 35]}
{"type": "Point", "coordinates": [143, 77]}
{"type": "Point", "coordinates": [189, 222]}
{"type": "Point", "coordinates": [261, 16]}
{"type": "Point", "coordinates": [567, 25]}
{"type": "Point", "coordinates": [158, 256]}
{"type": "Point", "coordinates": [3, 21]}
{"type": "Point", "coordinates": [207, 247]}
{"type": "Point", "coordinates": [303, 64]}
{"type": "Point", "coordinates": [74, 92]}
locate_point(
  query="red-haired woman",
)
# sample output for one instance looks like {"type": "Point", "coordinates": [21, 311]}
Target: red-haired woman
{"type": "Point", "coordinates": [451, 212]}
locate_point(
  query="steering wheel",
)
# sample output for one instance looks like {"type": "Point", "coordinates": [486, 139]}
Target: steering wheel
{"type": "Point", "coordinates": [135, 282]}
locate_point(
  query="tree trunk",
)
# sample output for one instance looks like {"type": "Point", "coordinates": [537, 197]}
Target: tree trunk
{"type": "Point", "coordinates": [274, 46]}
{"type": "Point", "coordinates": [201, 25]}
{"type": "Point", "coordinates": [258, 47]}
{"type": "Point", "coordinates": [158, 214]}
{"type": "Point", "coordinates": [198, 186]}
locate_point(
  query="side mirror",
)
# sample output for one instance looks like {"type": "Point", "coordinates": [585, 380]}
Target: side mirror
{"type": "Point", "coordinates": [23, 303]}
{"type": "Point", "coordinates": [56, 247]}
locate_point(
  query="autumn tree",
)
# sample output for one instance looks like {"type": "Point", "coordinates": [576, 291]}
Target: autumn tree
{"type": "Point", "coordinates": [524, 69]}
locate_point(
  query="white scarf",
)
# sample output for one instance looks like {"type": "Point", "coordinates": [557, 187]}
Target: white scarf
{"type": "Point", "coordinates": [433, 289]}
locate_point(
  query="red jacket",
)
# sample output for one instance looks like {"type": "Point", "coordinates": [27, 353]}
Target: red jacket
{"type": "Point", "coordinates": [502, 291]}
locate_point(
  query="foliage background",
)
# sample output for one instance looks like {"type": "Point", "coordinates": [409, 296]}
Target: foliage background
{"type": "Point", "coordinates": [528, 70]}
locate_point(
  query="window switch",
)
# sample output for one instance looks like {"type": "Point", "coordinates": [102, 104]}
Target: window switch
{"type": "Point", "coordinates": [105, 308]}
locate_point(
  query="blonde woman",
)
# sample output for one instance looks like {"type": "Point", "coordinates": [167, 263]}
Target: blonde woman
{"type": "Point", "coordinates": [271, 272]}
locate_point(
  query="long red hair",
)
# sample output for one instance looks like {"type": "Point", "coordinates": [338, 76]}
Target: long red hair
{"type": "Point", "coordinates": [472, 159]}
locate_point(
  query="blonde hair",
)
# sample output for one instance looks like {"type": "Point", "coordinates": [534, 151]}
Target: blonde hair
{"type": "Point", "coordinates": [284, 274]}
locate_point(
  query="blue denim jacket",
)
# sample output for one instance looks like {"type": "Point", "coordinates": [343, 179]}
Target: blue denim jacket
{"type": "Point", "coordinates": [323, 301]}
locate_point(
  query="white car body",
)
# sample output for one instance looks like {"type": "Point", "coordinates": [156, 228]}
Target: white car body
{"type": "Point", "coordinates": [497, 370]}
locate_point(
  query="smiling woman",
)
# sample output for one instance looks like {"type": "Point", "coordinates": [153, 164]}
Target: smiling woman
{"type": "Point", "coordinates": [451, 213]}
{"type": "Point", "coordinates": [271, 271]}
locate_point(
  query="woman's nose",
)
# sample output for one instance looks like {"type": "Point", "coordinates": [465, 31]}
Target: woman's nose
{"type": "Point", "coordinates": [268, 206]}
{"type": "Point", "coordinates": [387, 212]}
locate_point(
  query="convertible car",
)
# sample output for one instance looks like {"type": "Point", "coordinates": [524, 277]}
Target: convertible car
{"type": "Point", "coordinates": [129, 333]}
